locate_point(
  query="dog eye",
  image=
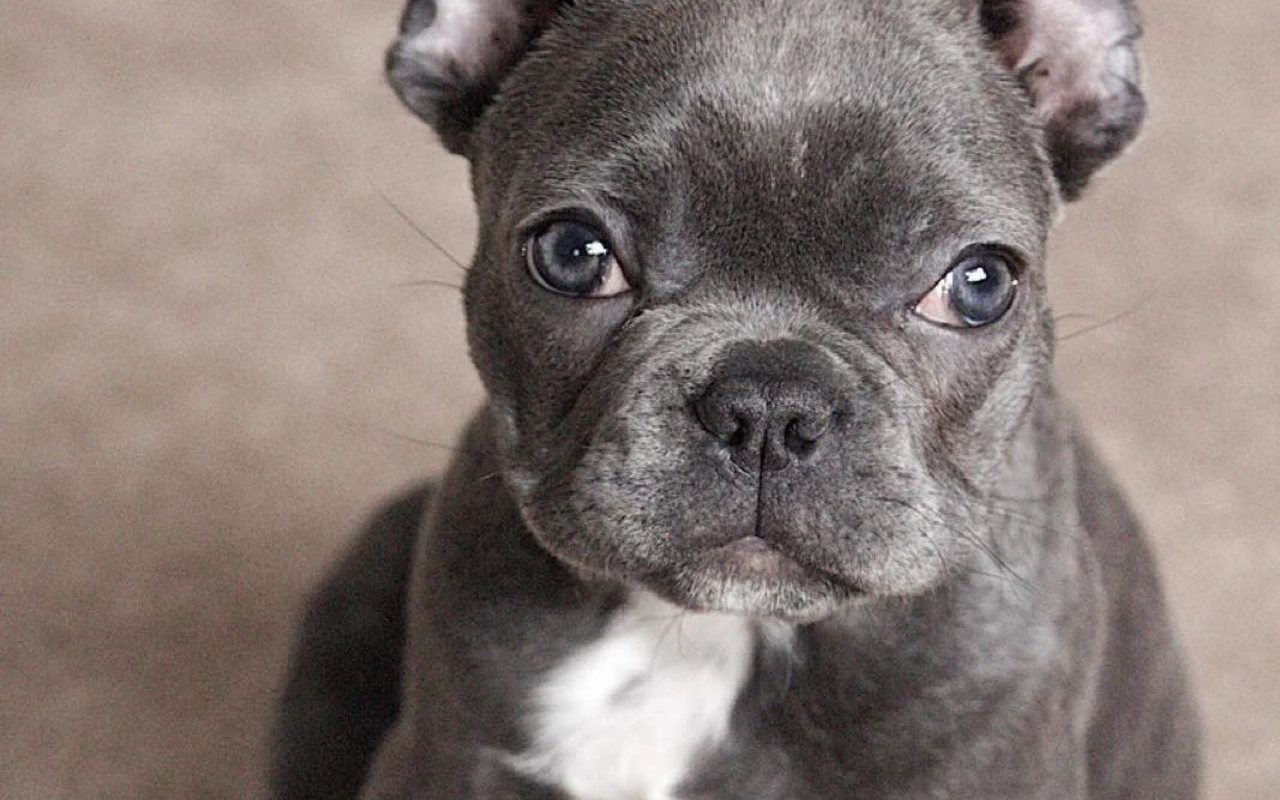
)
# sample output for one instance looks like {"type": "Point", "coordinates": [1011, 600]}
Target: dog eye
{"type": "Point", "coordinates": [977, 291]}
{"type": "Point", "coordinates": [575, 259]}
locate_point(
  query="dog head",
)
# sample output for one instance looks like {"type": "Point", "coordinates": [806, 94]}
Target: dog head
{"type": "Point", "coordinates": [758, 295]}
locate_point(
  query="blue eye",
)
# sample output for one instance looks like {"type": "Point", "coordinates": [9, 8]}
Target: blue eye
{"type": "Point", "coordinates": [977, 291]}
{"type": "Point", "coordinates": [982, 289]}
{"type": "Point", "coordinates": [574, 259]}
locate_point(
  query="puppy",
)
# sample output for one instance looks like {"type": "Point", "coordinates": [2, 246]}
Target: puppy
{"type": "Point", "coordinates": [771, 496]}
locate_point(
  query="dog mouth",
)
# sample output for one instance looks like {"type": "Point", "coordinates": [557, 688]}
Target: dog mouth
{"type": "Point", "coordinates": [753, 557]}
{"type": "Point", "coordinates": [752, 577]}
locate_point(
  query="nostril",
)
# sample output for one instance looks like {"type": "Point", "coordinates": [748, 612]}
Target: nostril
{"type": "Point", "coordinates": [769, 405]}
{"type": "Point", "coordinates": [764, 425]}
{"type": "Point", "coordinates": [735, 419]}
{"type": "Point", "coordinates": [718, 418]}
{"type": "Point", "coordinates": [795, 441]}
{"type": "Point", "coordinates": [810, 427]}
{"type": "Point", "coordinates": [801, 435]}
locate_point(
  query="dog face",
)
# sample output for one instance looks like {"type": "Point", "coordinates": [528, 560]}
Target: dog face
{"type": "Point", "coordinates": [759, 295]}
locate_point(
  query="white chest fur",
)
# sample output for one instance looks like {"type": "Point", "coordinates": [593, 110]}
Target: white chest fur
{"type": "Point", "coordinates": [624, 717]}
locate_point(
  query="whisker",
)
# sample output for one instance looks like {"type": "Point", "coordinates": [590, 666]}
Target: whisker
{"type": "Point", "coordinates": [947, 565]}
{"type": "Point", "coordinates": [994, 557]}
{"type": "Point", "coordinates": [965, 536]}
{"type": "Point", "coordinates": [416, 227]}
{"type": "Point", "coordinates": [367, 428]}
{"type": "Point", "coordinates": [680, 631]}
{"type": "Point", "coordinates": [952, 566]}
{"type": "Point", "coordinates": [672, 621]}
{"type": "Point", "coordinates": [404, 437]}
{"type": "Point", "coordinates": [1073, 315]}
{"type": "Point", "coordinates": [428, 282]}
{"type": "Point", "coordinates": [1102, 323]}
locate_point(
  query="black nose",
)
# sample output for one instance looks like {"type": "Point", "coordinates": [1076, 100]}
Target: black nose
{"type": "Point", "coordinates": [769, 405]}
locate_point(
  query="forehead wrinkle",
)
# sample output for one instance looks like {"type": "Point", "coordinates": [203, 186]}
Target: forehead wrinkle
{"type": "Point", "coordinates": [909, 196]}
{"type": "Point", "coordinates": [872, 65]}
{"type": "Point", "coordinates": [775, 93]}
{"type": "Point", "coordinates": [806, 110]}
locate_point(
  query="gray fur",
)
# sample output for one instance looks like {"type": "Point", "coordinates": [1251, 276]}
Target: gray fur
{"type": "Point", "coordinates": [975, 614]}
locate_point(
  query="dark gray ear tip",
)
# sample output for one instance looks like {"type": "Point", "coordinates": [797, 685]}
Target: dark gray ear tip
{"type": "Point", "coordinates": [446, 105]}
{"type": "Point", "coordinates": [446, 67]}
{"type": "Point", "coordinates": [417, 88]}
{"type": "Point", "coordinates": [1087, 137]}
{"type": "Point", "coordinates": [1078, 62]}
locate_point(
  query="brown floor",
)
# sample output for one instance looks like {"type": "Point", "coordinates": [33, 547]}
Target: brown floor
{"type": "Point", "coordinates": [210, 370]}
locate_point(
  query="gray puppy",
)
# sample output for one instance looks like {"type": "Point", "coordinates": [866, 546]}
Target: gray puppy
{"type": "Point", "coordinates": [772, 497]}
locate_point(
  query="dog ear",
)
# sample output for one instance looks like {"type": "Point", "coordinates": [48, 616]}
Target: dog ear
{"type": "Point", "coordinates": [1078, 61]}
{"type": "Point", "coordinates": [451, 55]}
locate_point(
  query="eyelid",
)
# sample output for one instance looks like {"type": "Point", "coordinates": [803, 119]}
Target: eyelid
{"type": "Point", "coordinates": [611, 226]}
{"type": "Point", "coordinates": [933, 306]}
{"type": "Point", "coordinates": [1015, 257]}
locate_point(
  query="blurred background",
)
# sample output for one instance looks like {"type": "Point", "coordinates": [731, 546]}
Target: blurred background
{"type": "Point", "coordinates": [211, 369]}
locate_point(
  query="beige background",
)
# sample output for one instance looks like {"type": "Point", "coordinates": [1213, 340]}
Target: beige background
{"type": "Point", "coordinates": [209, 371]}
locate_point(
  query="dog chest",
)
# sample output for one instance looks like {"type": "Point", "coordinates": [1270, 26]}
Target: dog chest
{"type": "Point", "coordinates": [627, 716]}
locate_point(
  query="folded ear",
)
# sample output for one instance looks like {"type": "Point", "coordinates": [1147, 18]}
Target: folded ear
{"type": "Point", "coordinates": [451, 55]}
{"type": "Point", "coordinates": [1078, 61]}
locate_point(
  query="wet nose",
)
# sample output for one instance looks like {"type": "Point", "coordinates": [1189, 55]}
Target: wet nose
{"type": "Point", "coordinates": [770, 407]}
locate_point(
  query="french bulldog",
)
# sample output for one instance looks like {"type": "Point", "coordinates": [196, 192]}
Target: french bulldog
{"type": "Point", "coordinates": [771, 496]}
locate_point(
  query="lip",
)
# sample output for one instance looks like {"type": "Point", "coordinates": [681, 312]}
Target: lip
{"type": "Point", "coordinates": [751, 556]}
{"type": "Point", "coordinates": [754, 577]}
{"type": "Point", "coordinates": [748, 547]}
